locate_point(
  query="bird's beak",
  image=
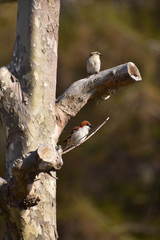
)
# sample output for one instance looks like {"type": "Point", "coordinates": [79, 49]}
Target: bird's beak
{"type": "Point", "coordinates": [90, 126]}
{"type": "Point", "coordinates": [100, 54]}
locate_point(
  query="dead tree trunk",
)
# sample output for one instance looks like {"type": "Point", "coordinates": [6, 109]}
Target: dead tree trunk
{"type": "Point", "coordinates": [28, 111]}
{"type": "Point", "coordinates": [34, 120]}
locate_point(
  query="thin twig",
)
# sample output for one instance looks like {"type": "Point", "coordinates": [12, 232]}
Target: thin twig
{"type": "Point", "coordinates": [71, 148]}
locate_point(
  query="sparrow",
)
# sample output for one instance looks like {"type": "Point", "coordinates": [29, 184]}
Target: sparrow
{"type": "Point", "coordinates": [94, 62]}
{"type": "Point", "coordinates": [78, 134]}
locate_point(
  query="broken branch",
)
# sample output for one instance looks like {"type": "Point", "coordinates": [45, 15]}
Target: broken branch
{"type": "Point", "coordinates": [94, 86]}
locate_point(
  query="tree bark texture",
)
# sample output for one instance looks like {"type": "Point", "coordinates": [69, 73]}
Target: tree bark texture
{"type": "Point", "coordinates": [98, 85]}
{"type": "Point", "coordinates": [34, 120]}
{"type": "Point", "coordinates": [28, 86]}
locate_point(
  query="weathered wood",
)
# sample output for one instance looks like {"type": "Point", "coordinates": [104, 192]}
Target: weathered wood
{"type": "Point", "coordinates": [27, 107]}
{"type": "Point", "coordinates": [25, 171]}
{"type": "Point", "coordinates": [95, 86]}
{"type": "Point", "coordinates": [50, 158]}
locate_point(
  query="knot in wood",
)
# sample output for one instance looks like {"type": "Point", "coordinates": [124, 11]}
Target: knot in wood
{"type": "Point", "coordinates": [29, 201]}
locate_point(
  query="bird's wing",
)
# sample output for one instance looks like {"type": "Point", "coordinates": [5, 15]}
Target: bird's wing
{"type": "Point", "coordinates": [73, 130]}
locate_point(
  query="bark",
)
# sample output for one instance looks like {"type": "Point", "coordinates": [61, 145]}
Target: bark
{"type": "Point", "coordinates": [98, 85]}
{"type": "Point", "coordinates": [34, 120]}
{"type": "Point", "coordinates": [27, 93]}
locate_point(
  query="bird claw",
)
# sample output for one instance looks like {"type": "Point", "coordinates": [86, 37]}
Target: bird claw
{"type": "Point", "coordinates": [105, 97]}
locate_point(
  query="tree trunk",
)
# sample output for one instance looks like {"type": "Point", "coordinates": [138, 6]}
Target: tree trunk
{"type": "Point", "coordinates": [34, 120]}
{"type": "Point", "coordinates": [30, 121]}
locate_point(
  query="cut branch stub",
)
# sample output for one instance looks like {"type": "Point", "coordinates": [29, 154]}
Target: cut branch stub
{"type": "Point", "coordinates": [95, 86]}
{"type": "Point", "coordinates": [17, 190]}
{"type": "Point", "coordinates": [44, 159]}
{"type": "Point", "coordinates": [49, 158]}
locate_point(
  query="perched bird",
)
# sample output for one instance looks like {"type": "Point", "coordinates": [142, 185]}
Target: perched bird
{"type": "Point", "coordinates": [78, 134]}
{"type": "Point", "coordinates": [94, 62]}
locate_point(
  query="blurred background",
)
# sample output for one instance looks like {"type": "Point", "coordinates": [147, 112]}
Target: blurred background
{"type": "Point", "coordinates": [108, 188]}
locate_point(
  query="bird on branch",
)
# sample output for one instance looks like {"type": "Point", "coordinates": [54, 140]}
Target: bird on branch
{"type": "Point", "coordinates": [78, 134]}
{"type": "Point", "coordinates": [94, 63]}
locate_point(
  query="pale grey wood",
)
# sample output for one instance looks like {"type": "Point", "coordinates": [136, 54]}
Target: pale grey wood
{"type": "Point", "coordinates": [27, 107]}
{"type": "Point", "coordinates": [95, 86]}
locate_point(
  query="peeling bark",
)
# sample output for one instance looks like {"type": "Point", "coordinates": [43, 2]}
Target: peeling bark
{"type": "Point", "coordinates": [27, 100]}
{"type": "Point", "coordinates": [17, 191]}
